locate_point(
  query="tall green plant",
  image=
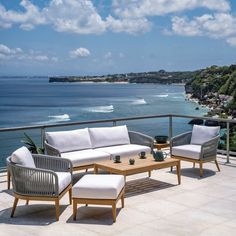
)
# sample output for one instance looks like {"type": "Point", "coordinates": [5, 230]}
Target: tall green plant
{"type": "Point", "coordinates": [31, 145]}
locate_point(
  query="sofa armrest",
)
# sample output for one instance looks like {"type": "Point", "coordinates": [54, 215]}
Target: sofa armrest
{"type": "Point", "coordinates": [141, 139]}
{"type": "Point", "coordinates": [52, 163]}
{"type": "Point", "coordinates": [209, 149]}
{"type": "Point", "coordinates": [50, 150]}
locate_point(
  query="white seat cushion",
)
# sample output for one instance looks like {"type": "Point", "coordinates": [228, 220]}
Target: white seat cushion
{"type": "Point", "coordinates": [98, 186]}
{"type": "Point", "coordinates": [201, 134]}
{"type": "Point", "coordinates": [66, 141]}
{"type": "Point", "coordinates": [190, 151]}
{"type": "Point", "coordinates": [85, 157]}
{"type": "Point", "coordinates": [125, 150]}
{"type": "Point", "coordinates": [64, 179]}
{"type": "Point", "coordinates": [22, 156]}
{"type": "Point", "coordinates": [109, 136]}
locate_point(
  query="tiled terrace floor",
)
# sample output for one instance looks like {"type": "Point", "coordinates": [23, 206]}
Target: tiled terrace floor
{"type": "Point", "coordinates": [156, 206]}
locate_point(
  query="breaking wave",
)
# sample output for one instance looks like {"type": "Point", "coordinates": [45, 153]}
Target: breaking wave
{"type": "Point", "coordinates": [139, 101]}
{"type": "Point", "coordinates": [100, 109]}
{"type": "Point", "coordinates": [162, 95]}
{"type": "Point", "coordinates": [55, 119]}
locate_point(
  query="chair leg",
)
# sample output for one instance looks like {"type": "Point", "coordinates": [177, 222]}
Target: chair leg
{"type": "Point", "coordinates": [201, 169]}
{"type": "Point", "coordinates": [8, 179]}
{"type": "Point", "coordinates": [171, 168]}
{"type": "Point", "coordinates": [114, 211]}
{"type": "Point", "coordinates": [57, 209]}
{"type": "Point", "coordinates": [217, 165]}
{"type": "Point", "coordinates": [123, 200]}
{"type": "Point", "coordinates": [14, 206]}
{"type": "Point", "coordinates": [70, 195]}
{"type": "Point", "coordinates": [74, 209]}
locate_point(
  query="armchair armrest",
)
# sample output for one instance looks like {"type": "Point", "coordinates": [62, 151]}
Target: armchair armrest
{"type": "Point", "coordinates": [209, 148]}
{"type": "Point", "coordinates": [181, 139]}
{"type": "Point", "coordinates": [141, 139]}
{"type": "Point", "coordinates": [34, 181]}
{"type": "Point", "coordinates": [52, 163]}
{"type": "Point", "coordinates": [50, 150]}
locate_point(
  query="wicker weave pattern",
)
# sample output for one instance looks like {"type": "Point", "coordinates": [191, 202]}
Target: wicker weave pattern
{"type": "Point", "coordinates": [38, 181]}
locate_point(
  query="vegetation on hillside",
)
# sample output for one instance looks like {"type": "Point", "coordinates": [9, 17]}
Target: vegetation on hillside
{"type": "Point", "coordinates": [216, 87]}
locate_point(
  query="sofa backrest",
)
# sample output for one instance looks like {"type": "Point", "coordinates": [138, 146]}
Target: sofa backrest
{"type": "Point", "coordinates": [109, 136]}
{"type": "Point", "coordinates": [201, 134]}
{"type": "Point", "coordinates": [66, 141]}
{"type": "Point", "coordinates": [22, 156]}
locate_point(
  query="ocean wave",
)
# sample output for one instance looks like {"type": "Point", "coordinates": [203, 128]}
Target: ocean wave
{"type": "Point", "coordinates": [139, 101]}
{"type": "Point", "coordinates": [100, 109]}
{"type": "Point", "coordinates": [162, 95]}
{"type": "Point", "coordinates": [65, 116]}
{"type": "Point", "coordinates": [54, 119]}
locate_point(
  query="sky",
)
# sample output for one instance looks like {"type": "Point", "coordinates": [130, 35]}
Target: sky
{"type": "Point", "coordinates": [83, 37]}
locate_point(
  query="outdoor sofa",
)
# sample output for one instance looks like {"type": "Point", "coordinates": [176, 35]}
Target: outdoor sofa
{"type": "Point", "coordinates": [84, 147]}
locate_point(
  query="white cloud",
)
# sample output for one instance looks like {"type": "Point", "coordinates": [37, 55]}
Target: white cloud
{"type": "Point", "coordinates": [79, 52]}
{"type": "Point", "coordinates": [76, 16]}
{"type": "Point", "coordinates": [231, 41]}
{"type": "Point", "coordinates": [30, 17]}
{"type": "Point", "coordinates": [219, 25]}
{"type": "Point", "coordinates": [128, 25]}
{"type": "Point", "coordinates": [7, 53]}
{"type": "Point", "coordinates": [144, 8]}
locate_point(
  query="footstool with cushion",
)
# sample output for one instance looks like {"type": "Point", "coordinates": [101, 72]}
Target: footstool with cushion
{"type": "Point", "coordinates": [100, 190]}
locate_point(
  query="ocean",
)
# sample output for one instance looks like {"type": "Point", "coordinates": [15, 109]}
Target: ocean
{"type": "Point", "coordinates": [26, 101]}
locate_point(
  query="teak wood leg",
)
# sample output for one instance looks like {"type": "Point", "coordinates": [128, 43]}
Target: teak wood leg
{"type": "Point", "coordinates": [178, 173]}
{"type": "Point", "coordinates": [57, 209]}
{"type": "Point", "coordinates": [74, 209]}
{"type": "Point", "coordinates": [217, 165]}
{"type": "Point", "coordinates": [70, 195]}
{"type": "Point", "coordinates": [201, 169]}
{"type": "Point", "coordinates": [123, 200]}
{"type": "Point", "coordinates": [14, 206]}
{"type": "Point", "coordinates": [149, 173]}
{"type": "Point", "coordinates": [114, 211]}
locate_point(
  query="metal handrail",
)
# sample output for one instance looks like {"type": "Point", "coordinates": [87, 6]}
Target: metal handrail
{"type": "Point", "coordinates": [115, 120]}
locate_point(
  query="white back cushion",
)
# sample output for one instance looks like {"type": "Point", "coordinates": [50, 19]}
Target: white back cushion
{"type": "Point", "coordinates": [23, 156]}
{"type": "Point", "coordinates": [201, 134]}
{"type": "Point", "coordinates": [66, 141]}
{"type": "Point", "coordinates": [109, 136]}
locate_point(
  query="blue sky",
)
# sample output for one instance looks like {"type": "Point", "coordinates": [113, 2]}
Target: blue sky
{"type": "Point", "coordinates": [83, 37]}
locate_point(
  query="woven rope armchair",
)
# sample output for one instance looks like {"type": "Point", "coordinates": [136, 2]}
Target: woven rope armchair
{"type": "Point", "coordinates": [198, 146]}
{"type": "Point", "coordinates": [48, 181]}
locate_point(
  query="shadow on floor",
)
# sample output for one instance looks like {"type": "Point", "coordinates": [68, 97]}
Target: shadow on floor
{"type": "Point", "coordinates": [32, 214]}
{"type": "Point", "coordinates": [195, 172]}
{"type": "Point", "coordinates": [144, 185]}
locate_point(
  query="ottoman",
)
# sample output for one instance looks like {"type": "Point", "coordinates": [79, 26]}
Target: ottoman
{"type": "Point", "coordinates": [99, 190]}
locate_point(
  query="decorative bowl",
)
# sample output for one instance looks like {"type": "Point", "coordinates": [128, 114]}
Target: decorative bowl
{"type": "Point", "coordinates": [161, 138]}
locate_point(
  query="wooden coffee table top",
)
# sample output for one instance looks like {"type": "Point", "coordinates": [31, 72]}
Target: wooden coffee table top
{"type": "Point", "coordinates": [141, 165]}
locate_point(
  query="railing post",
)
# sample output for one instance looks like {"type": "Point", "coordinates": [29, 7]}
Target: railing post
{"type": "Point", "coordinates": [227, 143]}
{"type": "Point", "coordinates": [170, 127]}
{"type": "Point", "coordinates": [42, 137]}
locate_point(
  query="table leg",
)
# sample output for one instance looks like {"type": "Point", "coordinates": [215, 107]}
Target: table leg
{"type": "Point", "coordinates": [95, 169]}
{"type": "Point", "coordinates": [178, 172]}
{"type": "Point", "coordinates": [149, 173]}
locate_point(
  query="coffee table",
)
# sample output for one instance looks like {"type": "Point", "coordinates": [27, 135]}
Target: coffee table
{"type": "Point", "coordinates": [140, 166]}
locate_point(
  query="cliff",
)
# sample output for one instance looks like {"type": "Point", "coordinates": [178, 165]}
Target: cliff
{"type": "Point", "coordinates": [215, 87]}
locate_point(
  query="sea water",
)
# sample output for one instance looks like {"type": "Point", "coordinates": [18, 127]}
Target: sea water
{"type": "Point", "coordinates": [30, 101]}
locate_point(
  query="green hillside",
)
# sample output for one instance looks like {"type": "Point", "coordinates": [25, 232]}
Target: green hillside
{"type": "Point", "coordinates": [216, 86]}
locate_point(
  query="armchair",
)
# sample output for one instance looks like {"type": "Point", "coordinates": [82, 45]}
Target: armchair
{"type": "Point", "coordinates": [39, 177]}
{"type": "Point", "coordinates": [198, 146]}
